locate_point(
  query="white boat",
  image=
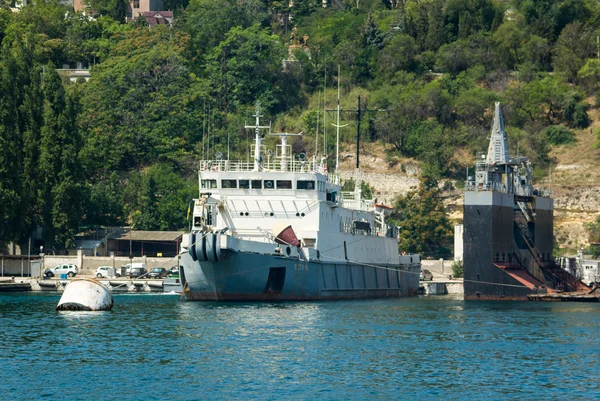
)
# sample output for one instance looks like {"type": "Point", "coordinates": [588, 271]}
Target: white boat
{"type": "Point", "coordinates": [282, 229]}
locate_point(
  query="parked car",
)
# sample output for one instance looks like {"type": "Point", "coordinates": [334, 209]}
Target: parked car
{"type": "Point", "coordinates": [69, 269]}
{"type": "Point", "coordinates": [173, 272]}
{"type": "Point", "coordinates": [158, 272]}
{"type": "Point", "coordinates": [426, 275]}
{"type": "Point", "coordinates": [105, 272]}
{"type": "Point", "coordinates": [137, 272]}
{"type": "Point", "coordinates": [128, 267]}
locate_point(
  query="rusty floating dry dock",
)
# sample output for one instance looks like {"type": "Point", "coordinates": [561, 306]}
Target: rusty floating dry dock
{"type": "Point", "coordinates": [574, 296]}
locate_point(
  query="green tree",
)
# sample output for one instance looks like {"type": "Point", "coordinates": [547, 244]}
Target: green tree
{"type": "Point", "coordinates": [589, 74]}
{"type": "Point", "coordinates": [246, 66]}
{"type": "Point", "coordinates": [62, 193]}
{"type": "Point", "coordinates": [593, 230]}
{"type": "Point", "coordinates": [575, 44]}
{"type": "Point", "coordinates": [398, 54]}
{"type": "Point", "coordinates": [116, 9]}
{"type": "Point", "coordinates": [208, 21]}
{"type": "Point", "coordinates": [158, 199]}
{"type": "Point", "coordinates": [141, 105]}
{"type": "Point", "coordinates": [509, 40]}
{"type": "Point", "coordinates": [106, 203]}
{"type": "Point", "coordinates": [20, 124]}
{"type": "Point", "coordinates": [422, 218]}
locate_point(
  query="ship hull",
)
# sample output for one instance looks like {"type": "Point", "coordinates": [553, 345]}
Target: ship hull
{"type": "Point", "coordinates": [245, 276]}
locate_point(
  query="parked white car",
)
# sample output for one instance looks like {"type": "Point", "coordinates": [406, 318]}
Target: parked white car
{"type": "Point", "coordinates": [69, 269]}
{"type": "Point", "coordinates": [107, 271]}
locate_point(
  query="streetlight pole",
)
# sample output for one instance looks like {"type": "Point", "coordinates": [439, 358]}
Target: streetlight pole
{"type": "Point", "coordinates": [42, 256]}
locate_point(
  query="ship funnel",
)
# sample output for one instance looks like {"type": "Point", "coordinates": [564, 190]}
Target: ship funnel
{"type": "Point", "coordinates": [287, 236]}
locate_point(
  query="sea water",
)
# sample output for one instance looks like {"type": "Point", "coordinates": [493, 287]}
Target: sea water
{"type": "Point", "coordinates": [157, 347]}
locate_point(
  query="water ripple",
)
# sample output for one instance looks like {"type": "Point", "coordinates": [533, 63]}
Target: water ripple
{"type": "Point", "coordinates": [152, 347]}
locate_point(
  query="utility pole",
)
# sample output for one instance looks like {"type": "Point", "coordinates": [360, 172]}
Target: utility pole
{"type": "Point", "coordinates": [359, 113]}
{"type": "Point", "coordinates": [338, 126]}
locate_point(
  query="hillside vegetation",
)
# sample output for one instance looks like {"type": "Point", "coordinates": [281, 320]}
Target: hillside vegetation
{"type": "Point", "coordinates": [122, 148]}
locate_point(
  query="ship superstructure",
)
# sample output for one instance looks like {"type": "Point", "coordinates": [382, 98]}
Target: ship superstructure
{"type": "Point", "coordinates": [279, 227]}
{"type": "Point", "coordinates": [508, 228]}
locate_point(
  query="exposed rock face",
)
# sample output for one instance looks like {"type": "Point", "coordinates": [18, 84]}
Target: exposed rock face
{"type": "Point", "coordinates": [387, 186]}
{"type": "Point", "coordinates": [580, 199]}
{"type": "Point", "coordinates": [574, 207]}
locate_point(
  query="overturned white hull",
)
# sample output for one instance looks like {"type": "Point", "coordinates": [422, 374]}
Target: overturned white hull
{"type": "Point", "coordinates": [86, 295]}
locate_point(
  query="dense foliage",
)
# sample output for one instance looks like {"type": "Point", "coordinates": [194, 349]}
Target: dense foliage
{"type": "Point", "coordinates": [122, 148]}
{"type": "Point", "coordinates": [424, 224]}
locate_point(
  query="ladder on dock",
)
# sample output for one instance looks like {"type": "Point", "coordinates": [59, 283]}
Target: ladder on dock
{"type": "Point", "coordinates": [559, 275]}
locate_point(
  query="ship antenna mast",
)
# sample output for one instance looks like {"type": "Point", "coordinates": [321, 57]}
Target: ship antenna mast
{"type": "Point", "coordinates": [258, 137]}
{"type": "Point", "coordinates": [338, 126]}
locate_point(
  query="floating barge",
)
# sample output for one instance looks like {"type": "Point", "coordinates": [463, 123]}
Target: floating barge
{"type": "Point", "coordinates": [508, 231]}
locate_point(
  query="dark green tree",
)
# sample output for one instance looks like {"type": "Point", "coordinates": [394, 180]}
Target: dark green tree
{"type": "Point", "coordinates": [141, 105]}
{"type": "Point", "coordinates": [422, 218]}
{"type": "Point", "coordinates": [245, 67]}
{"type": "Point", "coordinates": [575, 44]}
{"type": "Point", "coordinates": [158, 199]}
{"type": "Point", "coordinates": [116, 9]}
{"type": "Point", "coordinates": [62, 193]}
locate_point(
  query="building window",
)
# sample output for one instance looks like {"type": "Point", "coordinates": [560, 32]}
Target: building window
{"type": "Point", "coordinates": [208, 184]}
{"type": "Point", "coordinates": [136, 3]}
{"type": "Point", "coordinates": [256, 184]}
{"type": "Point", "coordinates": [244, 184]}
{"type": "Point", "coordinates": [284, 184]}
{"type": "Point", "coordinates": [228, 184]}
{"type": "Point", "coordinates": [305, 185]}
{"type": "Point", "coordinates": [269, 184]}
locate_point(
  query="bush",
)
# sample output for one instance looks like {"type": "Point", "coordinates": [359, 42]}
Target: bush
{"type": "Point", "coordinates": [457, 269]}
{"type": "Point", "coordinates": [559, 135]}
{"type": "Point", "coordinates": [580, 116]}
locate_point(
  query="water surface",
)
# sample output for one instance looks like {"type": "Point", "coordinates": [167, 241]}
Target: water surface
{"type": "Point", "coordinates": [156, 347]}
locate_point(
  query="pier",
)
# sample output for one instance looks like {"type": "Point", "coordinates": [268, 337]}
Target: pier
{"type": "Point", "coordinates": [117, 285]}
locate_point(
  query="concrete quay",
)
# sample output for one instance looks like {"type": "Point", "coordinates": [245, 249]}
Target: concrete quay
{"type": "Point", "coordinates": [117, 285]}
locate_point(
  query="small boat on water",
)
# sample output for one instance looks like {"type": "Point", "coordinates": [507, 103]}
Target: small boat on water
{"type": "Point", "coordinates": [85, 294]}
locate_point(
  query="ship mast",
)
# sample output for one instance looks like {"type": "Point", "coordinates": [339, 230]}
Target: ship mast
{"type": "Point", "coordinates": [338, 126]}
{"type": "Point", "coordinates": [258, 137]}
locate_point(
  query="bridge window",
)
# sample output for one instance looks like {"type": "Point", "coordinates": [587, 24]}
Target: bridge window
{"type": "Point", "coordinates": [305, 185]}
{"type": "Point", "coordinates": [208, 184]}
{"type": "Point", "coordinates": [256, 184]}
{"type": "Point", "coordinates": [228, 183]}
{"type": "Point", "coordinates": [269, 184]}
{"type": "Point", "coordinates": [284, 184]}
{"type": "Point", "coordinates": [244, 184]}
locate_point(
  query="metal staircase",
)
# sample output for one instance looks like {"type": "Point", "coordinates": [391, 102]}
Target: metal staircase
{"type": "Point", "coordinates": [559, 276]}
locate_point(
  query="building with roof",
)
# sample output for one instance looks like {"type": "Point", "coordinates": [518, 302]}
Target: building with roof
{"type": "Point", "coordinates": [123, 241]}
{"type": "Point", "coordinates": [145, 243]}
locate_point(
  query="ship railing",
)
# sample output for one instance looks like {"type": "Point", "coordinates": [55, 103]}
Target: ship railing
{"type": "Point", "coordinates": [489, 186]}
{"type": "Point", "coordinates": [523, 190]}
{"type": "Point", "coordinates": [543, 192]}
{"type": "Point", "coordinates": [349, 201]}
{"type": "Point", "coordinates": [297, 166]}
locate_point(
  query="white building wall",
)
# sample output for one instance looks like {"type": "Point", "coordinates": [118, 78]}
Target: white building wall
{"type": "Point", "coordinates": [458, 242]}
